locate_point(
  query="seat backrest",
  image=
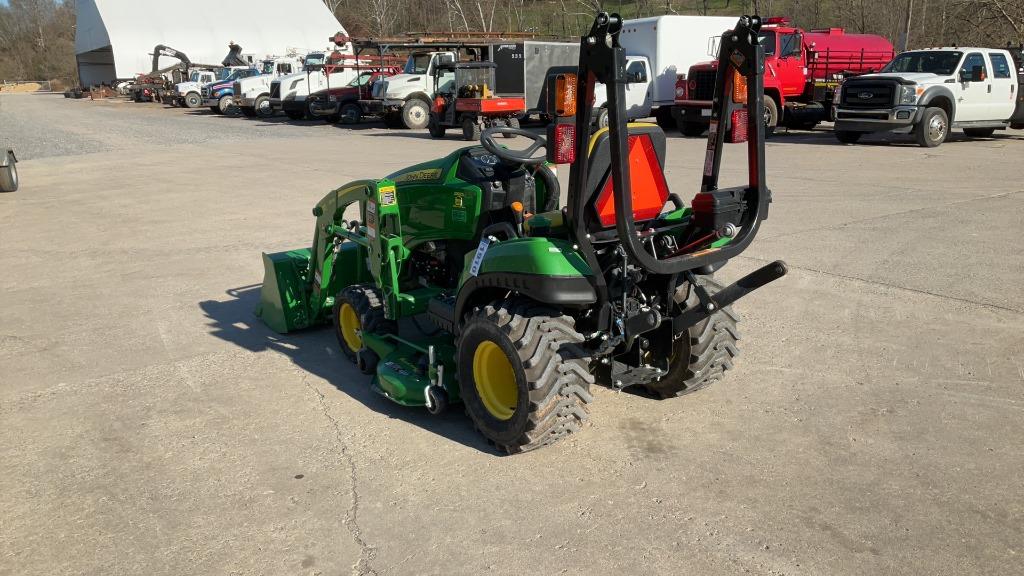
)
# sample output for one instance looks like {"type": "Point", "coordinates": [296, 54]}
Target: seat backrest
{"type": "Point", "coordinates": [646, 152]}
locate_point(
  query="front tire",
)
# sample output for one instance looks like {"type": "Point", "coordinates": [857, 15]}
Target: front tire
{"type": "Point", "coordinates": [358, 309]}
{"type": "Point", "coordinates": [351, 113]}
{"type": "Point", "coordinates": [262, 107]}
{"type": "Point", "coordinates": [602, 118]}
{"type": "Point", "coordinates": [692, 129]}
{"type": "Point", "coordinates": [435, 128]}
{"type": "Point", "coordinates": [771, 116]}
{"type": "Point", "coordinates": [226, 105]}
{"type": "Point", "coordinates": [847, 137]}
{"type": "Point", "coordinates": [415, 114]}
{"type": "Point", "coordinates": [932, 129]}
{"type": "Point", "coordinates": [700, 356]}
{"type": "Point", "coordinates": [523, 373]}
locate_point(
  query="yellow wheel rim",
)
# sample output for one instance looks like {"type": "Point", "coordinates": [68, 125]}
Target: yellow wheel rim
{"type": "Point", "coordinates": [495, 380]}
{"type": "Point", "coordinates": [348, 321]}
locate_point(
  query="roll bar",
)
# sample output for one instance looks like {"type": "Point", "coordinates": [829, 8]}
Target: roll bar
{"type": "Point", "coordinates": [602, 59]}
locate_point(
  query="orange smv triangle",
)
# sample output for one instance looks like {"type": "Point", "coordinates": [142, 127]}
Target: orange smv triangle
{"type": "Point", "coordinates": [647, 184]}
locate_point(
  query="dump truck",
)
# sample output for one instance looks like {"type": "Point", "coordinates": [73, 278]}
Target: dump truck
{"type": "Point", "coordinates": [804, 69]}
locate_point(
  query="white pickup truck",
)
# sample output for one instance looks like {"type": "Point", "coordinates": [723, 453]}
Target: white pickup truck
{"type": "Point", "coordinates": [929, 92]}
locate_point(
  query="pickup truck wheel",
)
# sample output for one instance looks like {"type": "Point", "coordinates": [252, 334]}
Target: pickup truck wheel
{"type": "Point", "coordinates": [932, 129]}
{"type": "Point", "coordinates": [692, 129]}
{"type": "Point", "coordinates": [848, 137]}
{"type": "Point", "coordinates": [351, 113]}
{"type": "Point", "coordinates": [415, 114]}
{"type": "Point", "coordinates": [771, 115]}
{"type": "Point", "coordinates": [262, 107]}
{"type": "Point", "coordinates": [979, 132]}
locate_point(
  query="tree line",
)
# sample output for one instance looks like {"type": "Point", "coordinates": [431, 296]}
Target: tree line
{"type": "Point", "coordinates": [37, 36]}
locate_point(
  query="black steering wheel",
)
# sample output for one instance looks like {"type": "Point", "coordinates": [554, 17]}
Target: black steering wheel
{"type": "Point", "coordinates": [525, 157]}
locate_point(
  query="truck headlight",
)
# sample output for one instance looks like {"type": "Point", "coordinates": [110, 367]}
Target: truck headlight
{"type": "Point", "coordinates": [909, 94]}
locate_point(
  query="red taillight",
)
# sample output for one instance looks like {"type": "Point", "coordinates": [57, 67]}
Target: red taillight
{"type": "Point", "coordinates": [564, 144]}
{"type": "Point", "coordinates": [738, 132]}
{"type": "Point", "coordinates": [647, 184]}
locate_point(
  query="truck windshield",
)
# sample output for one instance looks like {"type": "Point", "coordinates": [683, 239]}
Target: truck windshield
{"type": "Point", "coordinates": [941, 63]}
{"type": "Point", "coordinates": [223, 74]}
{"type": "Point", "coordinates": [361, 80]}
{"type": "Point", "coordinates": [417, 64]}
{"type": "Point", "coordinates": [314, 60]}
{"type": "Point", "coordinates": [268, 67]}
{"type": "Point", "coordinates": [767, 40]}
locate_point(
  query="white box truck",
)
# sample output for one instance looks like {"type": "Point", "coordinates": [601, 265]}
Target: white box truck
{"type": "Point", "coordinates": [657, 50]}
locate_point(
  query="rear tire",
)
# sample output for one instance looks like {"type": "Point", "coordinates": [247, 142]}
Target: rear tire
{"type": "Point", "coordinates": [359, 308]}
{"type": "Point", "coordinates": [511, 123]}
{"type": "Point", "coordinates": [416, 114]}
{"type": "Point", "coordinates": [704, 353]}
{"type": "Point", "coordinates": [933, 128]}
{"type": "Point", "coordinates": [692, 129]}
{"type": "Point", "coordinates": [979, 132]}
{"type": "Point", "coordinates": [847, 137]}
{"type": "Point", "coordinates": [435, 128]}
{"type": "Point", "coordinates": [523, 374]}
{"type": "Point", "coordinates": [470, 129]}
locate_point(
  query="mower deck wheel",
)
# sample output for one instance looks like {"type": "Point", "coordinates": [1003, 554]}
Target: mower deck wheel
{"type": "Point", "coordinates": [523, 374]}
{"type": "Point", "coordinates": [359, 309]}
{"type": "Point", "coordinates": [702, 355]}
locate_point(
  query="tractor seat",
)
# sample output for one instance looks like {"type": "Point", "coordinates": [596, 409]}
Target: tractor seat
{"type": "Point", "coordinates": [646, 152]}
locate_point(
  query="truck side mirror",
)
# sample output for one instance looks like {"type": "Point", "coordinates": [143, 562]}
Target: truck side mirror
{"type": "Point", "coordinates": [975, 74]}
{"type": "Point", "coordinates": [638, 77]}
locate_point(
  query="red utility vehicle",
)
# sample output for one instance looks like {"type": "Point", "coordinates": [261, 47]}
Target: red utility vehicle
{"type": "Point", "coordinates": [802, 70]}
{"type": "Point", "coordinates": [341, 104]}
{"type": "Point", "coordinates": [463, 98]}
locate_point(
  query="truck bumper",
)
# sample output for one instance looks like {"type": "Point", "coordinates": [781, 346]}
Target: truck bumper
{"type": "Point", "coordinates": [695, 111]}
{"type": "Point", "coordinates": [897, 119]}
{"type": "Point", "coordinates": [211, 102]}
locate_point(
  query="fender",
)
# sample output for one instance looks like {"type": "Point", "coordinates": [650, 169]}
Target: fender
{"type": "Point", "coordinates": [418, 96]}
{"type": "Point", "coordinates": [933, 92]}
{"type": "Point", "coordinates": [547, 270]}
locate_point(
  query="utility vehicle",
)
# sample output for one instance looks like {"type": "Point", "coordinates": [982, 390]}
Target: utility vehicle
{"type": "Point", "coordinates": [535, 303]}
{"type": "Point", "coordinates": [464, 98]}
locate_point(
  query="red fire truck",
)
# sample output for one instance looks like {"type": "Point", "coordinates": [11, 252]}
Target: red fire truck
{"type": "Point", "coordinates": [802, 70]}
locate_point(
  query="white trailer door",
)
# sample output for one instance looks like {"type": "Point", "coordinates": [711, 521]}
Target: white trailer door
{"type": "Point", "coordinates": [1003, 87]}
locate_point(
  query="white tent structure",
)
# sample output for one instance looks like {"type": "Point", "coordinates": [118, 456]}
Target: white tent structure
{"type": "Point", "coordinates": [114, 39]}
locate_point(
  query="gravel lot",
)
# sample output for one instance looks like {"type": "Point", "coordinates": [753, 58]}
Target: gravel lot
{"type": "Point", "coordinates": [151, 425]}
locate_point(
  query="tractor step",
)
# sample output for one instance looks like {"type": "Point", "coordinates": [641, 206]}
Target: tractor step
{"type": "Point", "coordinates": [441, 311]}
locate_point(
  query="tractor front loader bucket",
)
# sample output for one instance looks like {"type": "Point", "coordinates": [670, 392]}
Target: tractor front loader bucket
{"type": "Point", "coordinates": [284, 304]}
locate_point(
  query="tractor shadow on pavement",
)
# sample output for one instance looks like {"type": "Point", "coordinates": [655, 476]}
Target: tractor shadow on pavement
{"type": "Point", "coordinates": [315, 351]}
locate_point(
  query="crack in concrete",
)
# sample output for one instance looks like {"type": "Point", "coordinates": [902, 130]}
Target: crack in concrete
{"type": "Point", "coordinates": [367, 553]}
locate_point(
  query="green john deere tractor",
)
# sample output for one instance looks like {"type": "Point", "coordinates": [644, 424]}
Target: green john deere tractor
{"type": "Point", "coordinates": [534, 302]}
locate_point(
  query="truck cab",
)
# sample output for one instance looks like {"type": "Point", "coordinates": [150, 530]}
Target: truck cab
{"type": "Point", "coordinates": [404, 99]}
{"type": "Point", "coordinates": [252, 94]}
{"type": "Point", "coordinates": [219, 96]}
{"type": "Point", "coordinates": [320, 70]}
{"type": "Point", "coordinates": [188, 93]}
{"type": "Point", "coordinates": [802, 71]}
{"type": "Point", "coordinates": [929, 92]}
